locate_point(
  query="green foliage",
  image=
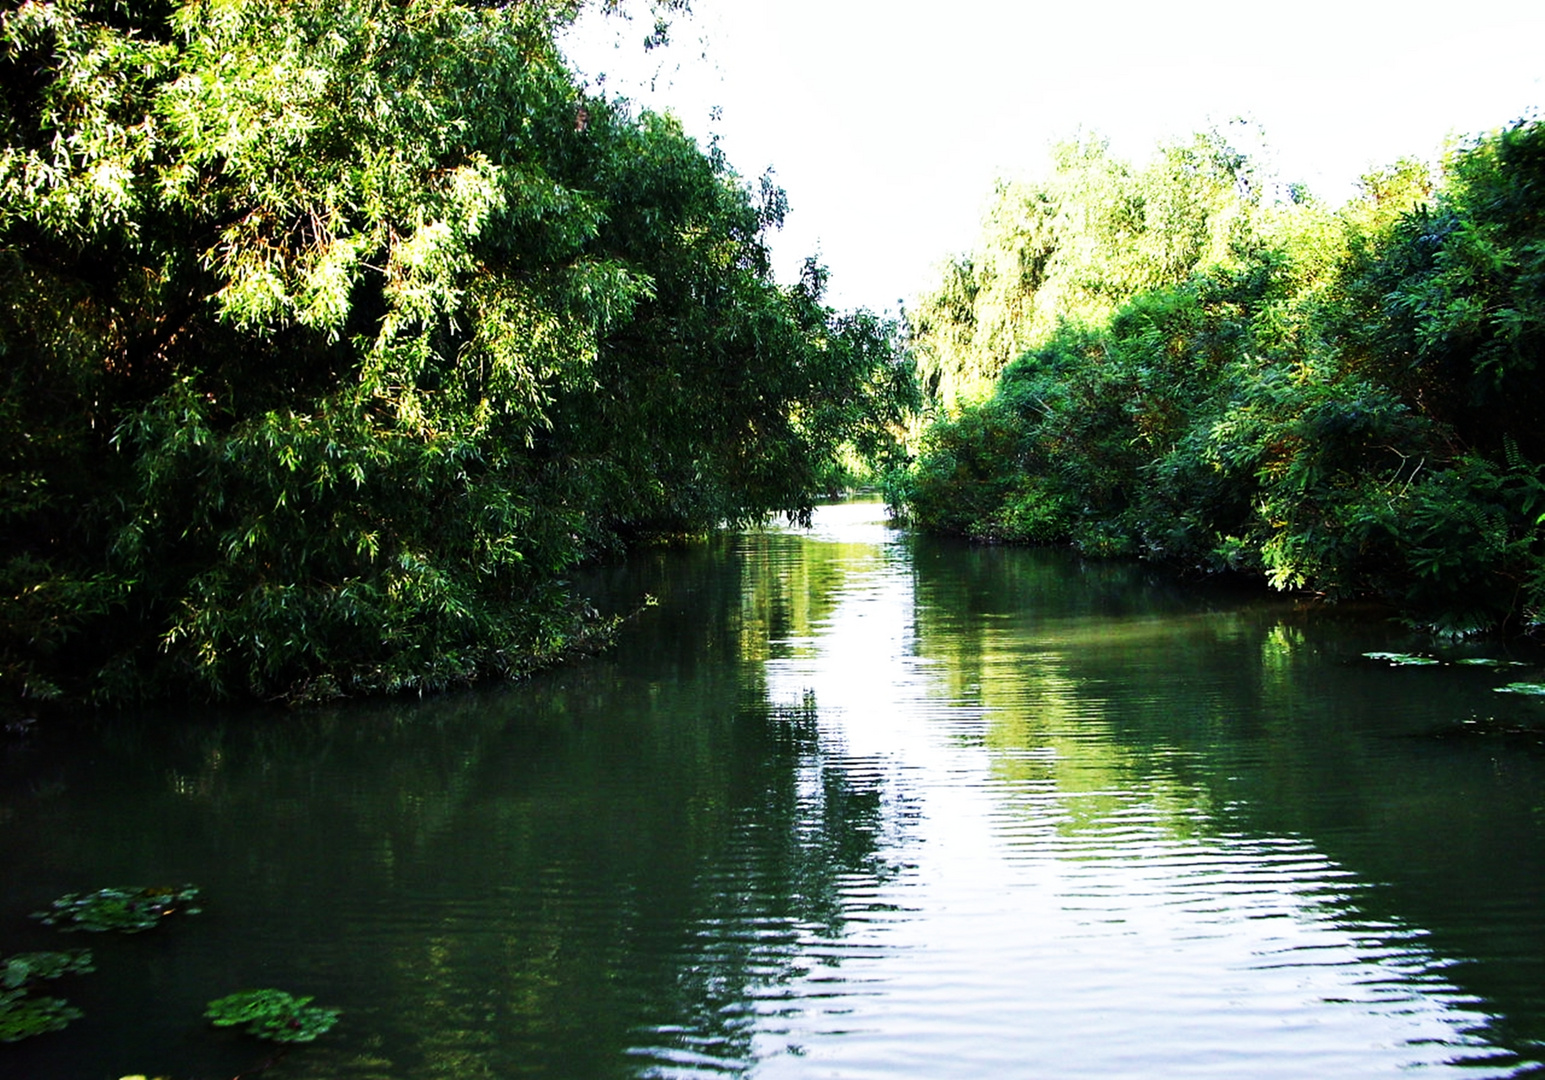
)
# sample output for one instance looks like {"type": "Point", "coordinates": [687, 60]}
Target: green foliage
{"type": "Point", "coordinates": [1347, 403]}
{"type": "Point", "coordinates": [1529, 689]}
{"type": "Point", "coordinates": [22, 968]}
{"type": "Point", "coordinates": [336, 334]}
{"type": "Point", "coordinates": [22, 1014]}
{"type": "Point", "coordinates": [272, 1014]}
{"type": "Point", "coordinates": [129, 909]}
{"type": "Point", "coordinates": [1076, 247]}
{"type": "Point", "coordinates": [958, 484]}
{"type": "Point", "coordinates": [268, 1014]}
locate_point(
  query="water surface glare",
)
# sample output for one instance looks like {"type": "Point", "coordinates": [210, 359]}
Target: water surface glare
{"type": "Point", "coordinates": [845, 803]}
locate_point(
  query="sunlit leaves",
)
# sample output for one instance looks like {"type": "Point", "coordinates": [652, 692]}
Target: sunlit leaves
{"type": "Point", "coordinates": [1527, 689]}
{"type": "Point", "coordinates": [1074, 247]}
{"type": "Point", "coordinates": [1400, 659]}
{"type": "Point", "coordinates": [77, 145]}
{"type": "Point", "coordinates": [1345, 402]}
{"type": "Point", "coordinates": [334, 339]}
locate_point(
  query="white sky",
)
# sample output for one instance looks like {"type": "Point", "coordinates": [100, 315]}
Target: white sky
{"type": "Point", "coordinates": [887, 123]}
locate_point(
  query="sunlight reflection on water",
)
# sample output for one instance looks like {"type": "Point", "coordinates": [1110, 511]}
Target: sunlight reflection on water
{"type": "Point", "coordinates": [1065, 909]}
{"type": "Point", "coordinates": [846, 803]}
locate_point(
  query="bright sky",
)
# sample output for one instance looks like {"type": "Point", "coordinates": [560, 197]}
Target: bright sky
{"type": "Point", "coordinates": [887, 123]}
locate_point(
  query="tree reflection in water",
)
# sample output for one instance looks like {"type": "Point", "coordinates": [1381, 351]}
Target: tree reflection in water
{"type": "Point", "coordinates": [586, 875]}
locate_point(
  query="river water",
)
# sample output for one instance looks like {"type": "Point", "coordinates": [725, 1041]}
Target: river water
{"type": "Point", "coordinates": [843, 803]}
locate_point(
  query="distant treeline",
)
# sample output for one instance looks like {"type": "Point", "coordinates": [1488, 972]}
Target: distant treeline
{"type": "Point", "coordinates": [334, 333]}
{"type": "Point", "coordinates": [1187, 362]}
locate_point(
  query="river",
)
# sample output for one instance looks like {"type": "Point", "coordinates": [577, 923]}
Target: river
{"type": "Point", "coordinates": [843, 802]}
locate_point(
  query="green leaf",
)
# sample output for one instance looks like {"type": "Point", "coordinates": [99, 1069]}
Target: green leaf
{"type": "Point", "coordinates": [272, 1014]}
{"type": "Point", "coordinates": [129, 909]}
{"type": "Point", "coordinates": [1399, 659]}
{"type": "Point", "coordinates": [23, 968]}
{"type": "Point", "coordinates": [1531, 689]}
{"type": "Point", "coordinates": [22, 1016]}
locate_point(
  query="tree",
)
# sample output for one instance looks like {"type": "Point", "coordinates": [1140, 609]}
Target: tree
{"type": "Point", "coordinates": [1074, 247]}
{"type": "Point", "coordinates": [336, 331]}
{"type": "Point", "coordinates": [1345, 402]}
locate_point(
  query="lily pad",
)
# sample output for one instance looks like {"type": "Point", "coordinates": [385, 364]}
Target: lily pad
{"type": "Point", "coordinates": [1532, 689]}
{"type": "Point", "coordinates": [272, 1014]}
{"type": "Point", "coordinates": [22, 1016]}
{"type": "Point", "coordinates": [19, 970]}
{"type": "Point", "coordinates": [129, 909]}
{"type": "Point", "coordinates": [1401, 659]}
{"type": "Point", "coordinates": [1486, 661]}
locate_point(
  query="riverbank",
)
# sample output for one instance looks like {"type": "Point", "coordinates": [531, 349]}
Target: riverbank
{"type": "Point", "coordinates": [1345, 401]}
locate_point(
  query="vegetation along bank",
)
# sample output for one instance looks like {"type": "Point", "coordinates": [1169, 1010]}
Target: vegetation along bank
{"type": "Point", "coordinates": [1190, 363]}
{"type": "Point", "coordinates": [334, 333]}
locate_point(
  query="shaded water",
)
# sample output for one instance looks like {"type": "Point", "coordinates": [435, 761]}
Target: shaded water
{"type": "Point", "coordinates": [845, 803]}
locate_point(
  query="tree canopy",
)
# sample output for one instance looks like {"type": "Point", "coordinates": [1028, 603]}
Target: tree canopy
{"type": "Point", "coordinates": [1179, 364]}
{"type": "Point", "coordinates": [336, 331]}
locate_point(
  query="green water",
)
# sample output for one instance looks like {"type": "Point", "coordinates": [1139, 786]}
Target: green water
{"type": "Point", "coordinates": [844, 803]}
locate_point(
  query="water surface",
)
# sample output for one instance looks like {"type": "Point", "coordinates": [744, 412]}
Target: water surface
{"type": "Point", "coordinates": [844, 803]}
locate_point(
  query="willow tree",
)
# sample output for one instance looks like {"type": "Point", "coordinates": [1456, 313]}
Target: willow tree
{"type": "Point", "coordinates": [1074, 247]}
{"type": "Point", "coordinates": [302, 306]}
{"type": "Point", "coordinates": [1345, 401]}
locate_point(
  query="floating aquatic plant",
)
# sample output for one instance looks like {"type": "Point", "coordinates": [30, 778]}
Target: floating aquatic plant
{"type": "Point", "coordinates": [1486, 661]}
{"type": "Point", "coordinates": [272, 1014]}
{"type": "Point", "coordinates": [1531, 688]}
{"type": "Point", "coordinates": [23, 968]}
{"type": "Point", "coordinates": [129, 909]}
{"type": "Point", "coordinates": [1401, 659]}
{"type": "Point", "coordinates": [22, 1015]}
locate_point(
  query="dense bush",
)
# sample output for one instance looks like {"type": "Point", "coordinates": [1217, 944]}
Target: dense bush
{"type": "Point", "coordinates": [335, 333]}
{"type": "Point", "coordinates": [1345, 402]}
